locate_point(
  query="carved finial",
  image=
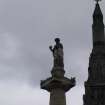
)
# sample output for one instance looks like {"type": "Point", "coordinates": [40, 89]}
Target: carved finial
{"type": "Point", "coordinates": [97, 0]}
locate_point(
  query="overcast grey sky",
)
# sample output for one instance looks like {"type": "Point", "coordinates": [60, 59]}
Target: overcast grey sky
{"type": "Point", "coordinates": [27, 28]}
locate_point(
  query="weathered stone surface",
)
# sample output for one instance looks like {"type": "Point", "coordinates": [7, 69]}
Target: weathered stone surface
{"type": "Point", "coordinates": [57, 97]}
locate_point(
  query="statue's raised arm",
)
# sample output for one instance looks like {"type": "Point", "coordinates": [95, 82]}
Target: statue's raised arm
{"type": "Point", "coordinates": [57, 51]}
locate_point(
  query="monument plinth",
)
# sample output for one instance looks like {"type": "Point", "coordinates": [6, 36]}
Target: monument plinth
{"type": "Point", "coordinates": [57, 84]}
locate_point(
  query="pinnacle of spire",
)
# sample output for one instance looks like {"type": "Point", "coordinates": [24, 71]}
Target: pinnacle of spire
{"type": "Point", "coordinates": [98, 25]}
{"type": "Point", "coordinates": [97, 15]}
{"type": "Point", "coordinates": [97, 0]}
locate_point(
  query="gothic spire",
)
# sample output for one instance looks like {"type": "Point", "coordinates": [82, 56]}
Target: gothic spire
{"type": "Point", "coordinates": [97, 15]}
{"type": "Point", "coordinates": [98, 25]}
{"type": "Point", "coordinates": [97, 0]}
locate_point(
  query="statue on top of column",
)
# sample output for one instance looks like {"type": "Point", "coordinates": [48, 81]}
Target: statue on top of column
{"type": "Point", "coordinates": [57, 51]}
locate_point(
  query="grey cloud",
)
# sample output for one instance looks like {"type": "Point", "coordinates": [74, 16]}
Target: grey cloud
{"type": "Point", "coordinates": [31, 26]}
{"type": "Point", "coordinates": [27, 28]}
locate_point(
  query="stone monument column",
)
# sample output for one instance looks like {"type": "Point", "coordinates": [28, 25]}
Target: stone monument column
{"type": "Point", "coordinates": [57, 84]}
{"type": "Point", "coordinates": [57, 97]}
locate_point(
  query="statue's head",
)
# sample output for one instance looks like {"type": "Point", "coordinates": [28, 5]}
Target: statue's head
{"type": "Point", "coordinates": [57, 40]}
